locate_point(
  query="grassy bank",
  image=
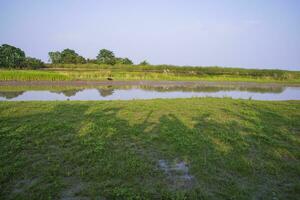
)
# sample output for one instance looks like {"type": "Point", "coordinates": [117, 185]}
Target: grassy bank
{"type": "Point", "coordinates": [229, 149]}
{"type": "Point", "coordinates": [31, 75]}
{"type": "Point", "coordinates": [162, 72]}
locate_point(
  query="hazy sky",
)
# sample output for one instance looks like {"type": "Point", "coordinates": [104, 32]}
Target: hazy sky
{"type": "Point", "coordinates": [236, 33]}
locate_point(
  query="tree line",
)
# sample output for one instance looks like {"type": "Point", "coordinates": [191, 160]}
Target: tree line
{"type": "Point", "coordinates": [69, 56]}
{"type": "Point", "coordinates": [13, 57]}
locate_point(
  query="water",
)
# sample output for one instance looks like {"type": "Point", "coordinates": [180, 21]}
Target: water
{"type": "Point", "coordinates": [257, 92]}
{"type": "Point", "coordinates": [177, 173]}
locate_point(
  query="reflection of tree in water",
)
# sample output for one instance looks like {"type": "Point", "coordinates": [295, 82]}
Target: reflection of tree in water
{"type": "Point", "coordinates": [70, 93]}
{"type": "Point", "coordinates": [10, 95]}
{"type": "Point", "coordinates": [104, 92]}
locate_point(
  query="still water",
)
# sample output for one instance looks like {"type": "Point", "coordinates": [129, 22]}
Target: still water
{"type": "Point", "coordinates": [151, 92]}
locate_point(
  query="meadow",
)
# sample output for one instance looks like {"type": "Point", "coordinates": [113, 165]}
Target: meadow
{"type": "Point", "coordinates": [149, 72]}
{"type": "Point", "coordinates": [219, 149]}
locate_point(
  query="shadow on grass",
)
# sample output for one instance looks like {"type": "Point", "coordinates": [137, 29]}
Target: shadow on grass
{"type": "Point", "coordinates": [50, 154]}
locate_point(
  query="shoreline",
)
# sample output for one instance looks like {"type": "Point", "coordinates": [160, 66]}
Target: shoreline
{"type": "Point", "coordinates": [142, 83]}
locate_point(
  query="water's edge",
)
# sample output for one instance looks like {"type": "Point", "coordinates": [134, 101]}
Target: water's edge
{"type": "Point", "coordinates": [112, 90]}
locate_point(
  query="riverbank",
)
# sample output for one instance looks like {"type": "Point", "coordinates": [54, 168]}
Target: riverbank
{"type": "Point", "coordinates": [150, 73]}
{"type": "Point", "coordinates": [184, 148]}
{"type": "Point", "coordinates": [142, 83]}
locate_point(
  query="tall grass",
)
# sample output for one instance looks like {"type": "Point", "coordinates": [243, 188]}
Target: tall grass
{"type": "Point", "coordinates": [148, 75]}
{"type": "Point", "coordinates": [186, 70]}
{"type": "Point", "coordinates": [31, 75]}
{"type": "Point", "coordinates": [127, 72]}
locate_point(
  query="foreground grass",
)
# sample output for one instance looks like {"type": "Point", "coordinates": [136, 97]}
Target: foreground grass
{"type": "Point", "coordinates": [172, 73]}
{"type": "Point", "coordinates": [235, 149]}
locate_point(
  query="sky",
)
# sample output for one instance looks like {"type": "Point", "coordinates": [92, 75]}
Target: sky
{"type": "Point", "coordinates": [228, 33]}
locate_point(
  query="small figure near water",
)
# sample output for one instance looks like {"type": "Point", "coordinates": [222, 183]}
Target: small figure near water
{"type": "Point", "coordinates": [110, 78]}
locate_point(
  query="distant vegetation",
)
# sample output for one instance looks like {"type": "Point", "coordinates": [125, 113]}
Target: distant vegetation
{"type": "Point", "coordinates": [169, 72]}
{"type": "Point", "coordinates": [145, 73]}
{"type": "Point", "coordinates": [69, 65]}
{"type": "Point", "coordinates": [69, 56]}
{"type": "Point", "coordinates": [13, 57]}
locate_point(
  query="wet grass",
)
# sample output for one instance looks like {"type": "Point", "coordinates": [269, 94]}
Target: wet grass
{"type": "Point", "coordinates": [233, 149]}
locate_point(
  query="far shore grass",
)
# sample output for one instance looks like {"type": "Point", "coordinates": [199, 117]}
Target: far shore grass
{"type": "Point", "coordinates": [93, 72]}
{"type": "Point", "coordinates": [232, 149]}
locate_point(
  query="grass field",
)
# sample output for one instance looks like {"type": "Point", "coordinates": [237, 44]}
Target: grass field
{"type": "Point", "coordinates": [161, 72]}
{"type": "Point", "coordinates": [150, 149]}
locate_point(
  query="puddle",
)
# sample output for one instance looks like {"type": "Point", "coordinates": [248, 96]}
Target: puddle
{"type": "Point", "coordinates": [177, 174]}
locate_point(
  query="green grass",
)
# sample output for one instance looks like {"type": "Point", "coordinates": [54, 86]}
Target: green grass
{"type": "Point", "coordinates": [167, 72]}
{"type": "Point", "coordinates": [235, 149]}
{"type": "Point", "coordinates": [30, 75]}
{"type": "Point", "coordinates": [160, 72]}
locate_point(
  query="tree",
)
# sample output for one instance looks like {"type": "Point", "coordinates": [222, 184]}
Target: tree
{"type": "Point", "coordinates": [144, 63]}
{"type": "Point", "coordinates": [33, 63]}
{"type": "Point", "coordinates": [67, 56]}
{"type": "Point", "coordinates": [126, 61]}
{"type": "Point", "coordinates": [106, 57]}
{"type": "Point", "coordinates": [80, 60]}
{"type": "Point", "coordinates": [55, 57]}
{"type": "Point", "coordinates": [11, 56]}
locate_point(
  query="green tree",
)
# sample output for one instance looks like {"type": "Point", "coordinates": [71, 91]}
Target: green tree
{"type": "Point", "coordinates": [106, 57]}
{"type": "Point", "coordinates": [69, 56]}
{"type": "Point", "coordinates": [55, 57]}
{"type": "Point", "coordinates": [11, 56]}
{"type": "Point", "coordinates": [126, 61]}
{"type": "Point", "coordinates": [80, 60]}
{"type": "Point", "coordinates": [33, 63]}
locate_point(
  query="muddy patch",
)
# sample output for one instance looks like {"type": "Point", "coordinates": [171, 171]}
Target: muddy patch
{"type": "Point", "coordinates": [178, 175]}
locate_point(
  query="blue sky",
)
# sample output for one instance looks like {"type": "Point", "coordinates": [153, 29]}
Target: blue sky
{"type": "Point", "coordinates": [233, 33]}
